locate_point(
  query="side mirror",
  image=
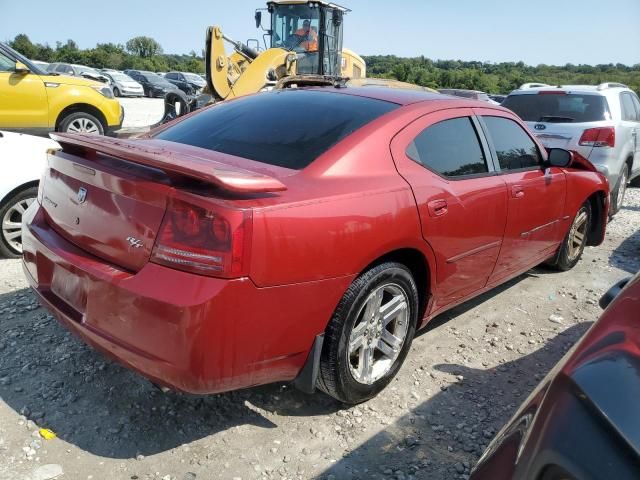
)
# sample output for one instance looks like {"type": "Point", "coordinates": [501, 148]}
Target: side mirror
{"type": "Point", "coordinates": [559, 157]}
{"type": "Point", "coordinates": [258, 18]}
{"type": "Point", "coordinates": [21, 68]}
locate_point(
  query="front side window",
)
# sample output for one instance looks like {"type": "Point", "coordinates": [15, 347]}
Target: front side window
{"type": "Point", "coordinates": [628, 108]}
{"type": "Point", "coordinates": [514, 147]}
{"type": "Point", "coordinates": [450, 148]}
{"type": "Point", "coordinates": [6, 64]}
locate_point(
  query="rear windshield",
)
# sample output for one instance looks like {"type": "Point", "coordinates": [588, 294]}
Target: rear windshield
{"type": "Point", "coordinates": [287, 128]}
{"type": "Point", "coordinates": [558, 108]}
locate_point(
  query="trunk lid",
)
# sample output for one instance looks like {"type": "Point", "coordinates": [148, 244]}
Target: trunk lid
{"type": "Point", "coordinates": [109, 196]}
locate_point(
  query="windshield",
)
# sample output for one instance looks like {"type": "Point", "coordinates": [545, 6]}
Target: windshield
{"type": "Point", "coordinates": [157, 79]}
{"type": "Point", "coordinates": [559, 107]}
{"type": "Point", "coordinates": [287, 128]}
{"type": "Point", "coordinates": [120, 76]}
{"type": "Point", "coordinates": [192, 77]}
{"type": "Point", "coordinates": [295, 28]}
{"type": "Point", "coordinates": [21, 58]}
{"type": "Point", "coordinates": [88, 70]}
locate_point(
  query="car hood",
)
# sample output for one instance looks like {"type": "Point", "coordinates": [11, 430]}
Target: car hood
{"type": "Point", "coordinates": [69, 80]}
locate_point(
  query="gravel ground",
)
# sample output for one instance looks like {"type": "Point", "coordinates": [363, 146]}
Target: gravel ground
{"type": "Point", "coordinates": [462, 380]}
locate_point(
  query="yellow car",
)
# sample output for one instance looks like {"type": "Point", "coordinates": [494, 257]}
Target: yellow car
{"type": "Point", "coordinates": [37, 102]}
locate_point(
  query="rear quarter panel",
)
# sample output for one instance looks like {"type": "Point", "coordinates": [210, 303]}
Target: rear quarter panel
{"type": "Point", "coordinates": [341, 213]}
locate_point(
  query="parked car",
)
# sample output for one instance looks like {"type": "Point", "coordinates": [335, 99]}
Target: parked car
{"type": "Point", "coordinates": [123, 85]}
{"type": "Point", "coordinates": [581, 421]}
{"type": "Point", "coordinates": [18, 186]}
{"type": "Point", "coordinates": [189, 83]}
{"type": "Point", "coordinates": [601, 122]}
{"type": "Point", "coordinates": [77, 71]}
{"type": "Point", "coordinates": [42, 65]}
{"type": "Point", "coordinates": [154, 85]}
{"type": "Point", "coordinates": [299, 247]}
{"type": "Point", "coordinates": [474, 94]}
{"type": "Point", "coordinates": [37, 102]}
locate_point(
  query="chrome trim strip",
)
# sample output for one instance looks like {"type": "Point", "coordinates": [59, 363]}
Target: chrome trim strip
{"type": "Point", "coordinates": [526, 234]}
{"type": "Point", "coordinates": [479, 249]}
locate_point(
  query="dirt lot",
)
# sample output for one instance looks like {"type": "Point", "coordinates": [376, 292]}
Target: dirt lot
{"type": "Point", "coordinates": [462, 380]}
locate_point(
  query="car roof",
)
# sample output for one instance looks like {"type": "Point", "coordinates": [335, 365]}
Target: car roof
{"type": "Point", "coordinates": [393, 95]}
{"type": "Point", "coordinates": [588, 89]}
{"type": "Point", "coordinates": [405, 97]}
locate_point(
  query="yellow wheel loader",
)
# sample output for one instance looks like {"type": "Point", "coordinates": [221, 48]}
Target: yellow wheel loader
{"type": "Point", "coordinates": [304, 40]}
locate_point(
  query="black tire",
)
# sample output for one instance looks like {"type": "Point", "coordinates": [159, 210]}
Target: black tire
{"type": "Point", "coordinates": [635, 182]}
{"type": "Point", "coordinates": [335, 377]}
{"type": "Point", "coordinates": [564, 260]}
{"type": "Point", "coordinates": [616, 204]}
{"type": "Point", "coordinates": [7, 250]}
{"type": "Point", "coordinates": [70, 122]}
{"type": "Point", "coordinates": [116, 92]}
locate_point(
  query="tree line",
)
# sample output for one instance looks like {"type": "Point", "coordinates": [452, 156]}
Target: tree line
{"type": "Point", "coordinates": [145, 53]}
{"type": "Point", "coordinates": [496, 77]}
{"type": "Point", "coordinates": [139, 53]}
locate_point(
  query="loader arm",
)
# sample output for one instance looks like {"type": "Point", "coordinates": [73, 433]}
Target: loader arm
{"type": "Point", "coordinates": [244, 71]}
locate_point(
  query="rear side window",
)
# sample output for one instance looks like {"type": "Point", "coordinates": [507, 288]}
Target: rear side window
{"type": "Point", "coordinates": [287, 128]}
{"type": "Point", "coordinates": [515, 149]}
{"type": "Point", "coordinates": [558, 107]}
{"type": "Point", "coordinates": [450, 148]}
{"type": "Point", "coordinates": [628, 108]}
{"type": "Point", "coordinates": [636, 103]}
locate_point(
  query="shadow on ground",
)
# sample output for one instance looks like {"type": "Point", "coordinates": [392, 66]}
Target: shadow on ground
{"type": "Point", "coordinates": [627, 256]}
{"type": "Point", "coordinates": [443, 437]}
{"type": "Point", "coordinates": [56, 380]}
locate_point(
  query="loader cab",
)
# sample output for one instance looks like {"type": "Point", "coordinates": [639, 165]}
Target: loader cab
{"type": "Point", "coordinates": [313, 30]}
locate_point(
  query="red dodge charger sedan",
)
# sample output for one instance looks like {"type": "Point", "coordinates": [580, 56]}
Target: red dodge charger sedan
{"type": "Point", "coordinates": [301, 234]}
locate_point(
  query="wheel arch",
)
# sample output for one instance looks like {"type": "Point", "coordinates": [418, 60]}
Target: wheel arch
{"type": "Point", "coordinates": [18, 189]}
{"type": "Point", "coordinates": [85, 108]}
{"type": "Point", "coordinates": [599, 217]}
{"type": "Point", "coordinates": [418, 264]}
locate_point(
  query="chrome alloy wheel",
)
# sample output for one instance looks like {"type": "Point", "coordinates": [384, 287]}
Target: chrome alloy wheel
{"type": "Point", "coordinates": [83, 125]}
{"type": "Point", "coordinates": [12, 223]}
{"type": "Point", "coordinates": [378, 334]}
{"type": "Point", "coordinates": [577, 235]}
{"type": "Point", "coordinates": [622, 189]}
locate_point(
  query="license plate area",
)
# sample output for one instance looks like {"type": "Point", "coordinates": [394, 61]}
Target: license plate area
{"type": "Point", "coordinates": [69, 288]}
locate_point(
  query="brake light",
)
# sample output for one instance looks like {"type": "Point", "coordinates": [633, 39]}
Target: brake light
{"type": "Point", "coordinates": [599, 137]}
{"type": "Point", "coordinates": [204, 240]}
{"type": "Point", "coordinates": [552, 92]}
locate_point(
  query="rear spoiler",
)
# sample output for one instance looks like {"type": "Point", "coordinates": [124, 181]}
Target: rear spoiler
{"type": "Point", "coordinates": [153, 153]}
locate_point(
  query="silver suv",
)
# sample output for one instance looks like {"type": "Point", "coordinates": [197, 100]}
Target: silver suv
{"type": "Point", "coordinates": [602, 123]}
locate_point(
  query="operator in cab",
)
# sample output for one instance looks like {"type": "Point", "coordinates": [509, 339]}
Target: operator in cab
{"type": "Point", "coordinates": [307, 37]}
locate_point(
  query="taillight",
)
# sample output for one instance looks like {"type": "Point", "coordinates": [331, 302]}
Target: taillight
{"type": "Point", "coordinates": [599, 137]}
{"type": "Point", "coordinates": [204, 240]}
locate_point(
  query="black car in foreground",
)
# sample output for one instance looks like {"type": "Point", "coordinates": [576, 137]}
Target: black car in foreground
{"type": "Point", "coordinates": [583, 421]}
{"type": "Point", "coordinates": [189, 83]}
{"type": "Point", "coordinates": [153, 84]}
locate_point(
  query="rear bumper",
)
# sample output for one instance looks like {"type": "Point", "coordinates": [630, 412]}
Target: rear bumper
{"type": "Point", "coordinates": [187, 332]}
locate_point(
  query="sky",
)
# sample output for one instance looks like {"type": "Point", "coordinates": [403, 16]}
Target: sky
{"type": "Point", "coordinates": [553, 32]}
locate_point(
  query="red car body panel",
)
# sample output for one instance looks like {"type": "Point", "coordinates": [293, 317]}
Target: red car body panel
{"type": "Point", "coordinates": [359, 201]}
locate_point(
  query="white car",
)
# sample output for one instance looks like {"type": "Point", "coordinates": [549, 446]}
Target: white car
{"type": "Point", "coordinates": [22, 160]}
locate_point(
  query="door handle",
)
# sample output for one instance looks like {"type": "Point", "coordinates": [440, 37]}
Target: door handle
{"type": "Point", "coordinates": [437, 208]}
{"type": "Point", "coordinates": [517, 191]}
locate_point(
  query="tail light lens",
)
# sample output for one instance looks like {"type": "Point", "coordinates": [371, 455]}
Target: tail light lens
{"type": "Point", "coordinates": [599, 137]}
{"type": "Point", "coordinates": [202, 240]}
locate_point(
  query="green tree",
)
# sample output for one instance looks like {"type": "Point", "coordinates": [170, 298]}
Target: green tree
{"type": "Point", "coordinates": [144, 47]}
{"type": "Point", "coordinates": [23, 44]}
